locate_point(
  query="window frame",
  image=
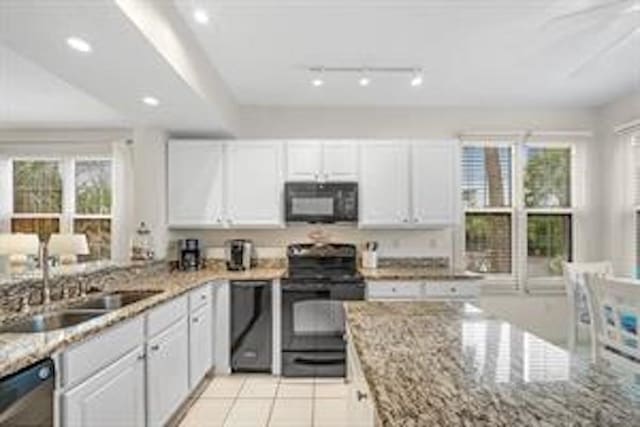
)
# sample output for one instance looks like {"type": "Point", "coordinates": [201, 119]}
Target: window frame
{"type": "Point", "coordinates": [511, 210]}
{"type": "Point", "coordinates": [527, 282]}
{"type": "Point", "coordinates": [635, 201]}
{"type": "Point", "coordinates": [519, 212]}
{"type": "Point", "coordinates": [68, 215]}
{"type": "Point", "coordinates": [72, 200]}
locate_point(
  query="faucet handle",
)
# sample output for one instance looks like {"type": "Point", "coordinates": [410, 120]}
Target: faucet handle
{"type": "Point", "coordinates": [24, 303]}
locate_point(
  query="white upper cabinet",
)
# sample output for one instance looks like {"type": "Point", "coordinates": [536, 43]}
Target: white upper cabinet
{"type": "Point", "coordinates": [196, 173]}
{"type": "Point", "coordinates": [322, 161]}
{"type": "Point", "coordinates": [434, 168]}
{"type": "Point", "coordinates": [254, 184]}
{"type": "Point", "coordinates": [304, 160]}
{"type": "Point", "coordinates": [384, 184]}
{"type": "Point", "coordinates": [340, 161]}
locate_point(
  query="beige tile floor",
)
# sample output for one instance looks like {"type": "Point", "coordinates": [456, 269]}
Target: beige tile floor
{"type": "Point", "coordinates": [267, 401]}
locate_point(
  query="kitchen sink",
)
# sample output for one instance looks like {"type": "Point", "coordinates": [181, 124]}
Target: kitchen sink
{"type": "Point", "coordinates": [114, 300]}
{"type": "Point", "coordinates": [52, 321]}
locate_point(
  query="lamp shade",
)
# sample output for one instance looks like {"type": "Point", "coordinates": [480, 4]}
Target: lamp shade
{"type": "Point", "coordinates": [19, 244]}
{"type": "Point", "coordinates": [68, 244]}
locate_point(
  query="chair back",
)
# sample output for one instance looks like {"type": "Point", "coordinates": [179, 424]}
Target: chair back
{"type": "Point", "coordinates": [615, 306]}
{"type": "Point", "coordinates": [577, 297]}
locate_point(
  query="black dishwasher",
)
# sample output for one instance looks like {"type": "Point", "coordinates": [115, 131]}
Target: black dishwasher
{"type": "Point", "coordinates": [26, 397]}
{"type": "Point", "coordinates": [251, 326]}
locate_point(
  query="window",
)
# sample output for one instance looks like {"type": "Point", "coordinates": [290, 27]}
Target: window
{"type": "Point", "coordinates": [37, 197]}
{"type": "Point", "coordinates": [548, 244]}
{"type": "Point", "coordinates": [487, 191]}
{"type": "Point", "coordinates": [64, 196]}
{"type": "Point", "coordinates": [518, 192]}
{"type": "Point", "coordinates": [93, 194]}
{"type": "Point", "coordinates": [548, 202]}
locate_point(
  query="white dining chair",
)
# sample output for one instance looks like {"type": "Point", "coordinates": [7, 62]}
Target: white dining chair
{"type": "Point", "coordinates": [578, 298]}
{"type": "Point", "coordinates": [615, 305]}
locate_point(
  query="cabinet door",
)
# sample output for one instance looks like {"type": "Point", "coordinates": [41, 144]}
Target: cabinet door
{"type": "Point", "coordinates": [384, 184]}
{"type": "Point", "coordinates": [167, 372]}
{"type": "Point", "coordinates": [255, 184]}
{"type": "Point", "coordinates": [200, 344]}
{"type": "Point", "coordinates": [195, 183]}
{"type": "Point", "coordinates": [114, 397]}
{"type": "Point", "coordinates": [304, 160]}
{"type": "Point", "coordinates": [434, 183]}
{"type": "Point", "coordinates": [340, 161]}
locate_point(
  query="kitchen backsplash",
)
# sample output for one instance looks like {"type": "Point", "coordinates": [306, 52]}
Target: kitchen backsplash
{"type": "Point", "coordinates": [12, 293]}
{"type": "Point", "coordinates": [272, 243]}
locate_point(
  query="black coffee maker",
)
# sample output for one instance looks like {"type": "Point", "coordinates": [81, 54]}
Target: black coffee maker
{"type": "Point", "coordinates": [189, 255]}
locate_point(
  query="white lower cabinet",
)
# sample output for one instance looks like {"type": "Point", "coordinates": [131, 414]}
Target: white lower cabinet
{"type": "Point", "coordinates": [123, 377]}
{"type": "Point", "coordinates": [360, 405]}
{"type": "Point", "coordinates": [419, 290]}
{"type": "Point", "coordinates": [167, 372]}
{"type": "Point", "coordinates": [114, 397]}
{"type": "Point", "coordinates": [200, 344]}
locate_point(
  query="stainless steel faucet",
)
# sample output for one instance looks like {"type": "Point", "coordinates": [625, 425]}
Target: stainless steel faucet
{"type": "Point", "coordinates": [44, 260]}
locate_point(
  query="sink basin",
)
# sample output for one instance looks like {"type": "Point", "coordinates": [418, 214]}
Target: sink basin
{"type": "Point", "coordinates": [114, 300]}
{"type": "Point", "coordinates": [51, 321]}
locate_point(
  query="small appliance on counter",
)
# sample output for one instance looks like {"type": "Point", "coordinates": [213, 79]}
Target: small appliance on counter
{"type": "Point", "coordinates": [189, 255]}
{"type": "Point", "coordinates": [239, 254]}
{"type": "Point", "coordinates": [370, 255]}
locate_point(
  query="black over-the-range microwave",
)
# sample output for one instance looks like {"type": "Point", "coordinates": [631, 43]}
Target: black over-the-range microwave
{"type": "Point", "coordinates": [317, 202]}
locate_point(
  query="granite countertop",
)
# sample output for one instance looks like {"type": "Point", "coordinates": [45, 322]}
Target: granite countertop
{"type": "Point", "coordinates": [450, 364]}
{"type": "Point", "coordinates": [18, 350]}
{"type": "Point", "coordinates": [416, 273]}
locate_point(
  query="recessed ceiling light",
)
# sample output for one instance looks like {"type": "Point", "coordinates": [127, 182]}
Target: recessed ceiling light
{"type": "Point", "coordinates": [318, 77]}
{"type": "Point", "coordinates": [151, 101]}
{"type": "Point", "coordinates": [364, 80]}
{"type": "Point", "coordinates": [417, 80]}
{"type": "Point", "coordinates": [634, 8]}
{"type": "Point", "coordinates": [79, 44]}
{"type": "Point", "coordinates": [317, 82]}
{"type": "Point", "coordinates": [201, 16]}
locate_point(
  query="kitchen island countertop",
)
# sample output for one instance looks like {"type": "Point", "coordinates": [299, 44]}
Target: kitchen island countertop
{"type": "Point", "coordinates": [450, 364]}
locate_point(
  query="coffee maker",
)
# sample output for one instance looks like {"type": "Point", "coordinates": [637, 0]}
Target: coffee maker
{"type": "Point", "coordinates": [239, 254]}
{"type": "Point", "coordinates": [189, 255]}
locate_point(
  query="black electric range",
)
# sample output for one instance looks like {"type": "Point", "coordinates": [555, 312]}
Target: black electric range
{"type": "Point", "coordinates": [319, 279]}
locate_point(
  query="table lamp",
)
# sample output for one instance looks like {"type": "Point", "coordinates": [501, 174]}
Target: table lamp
{"type": "Point", "coordinates": [17, 244]}
{"type": "Point", "coordinates": [67, 247]}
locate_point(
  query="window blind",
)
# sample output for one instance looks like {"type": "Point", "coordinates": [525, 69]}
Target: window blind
{"type": "Point", "coordinates": [486, 180]}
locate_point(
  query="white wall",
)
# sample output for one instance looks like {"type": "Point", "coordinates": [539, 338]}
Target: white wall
{"type": "Point", "coordinates": [615, 190]}
{"type": "Point", "coordinates": [389, 123]}
{"type": "Point", "coordinates": [150, 184]}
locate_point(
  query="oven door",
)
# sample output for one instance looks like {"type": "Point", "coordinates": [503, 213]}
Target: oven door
{"type": "Point", "coordinates": [321, 202]}
{"type": "Point", "coordinates": [313, 329]}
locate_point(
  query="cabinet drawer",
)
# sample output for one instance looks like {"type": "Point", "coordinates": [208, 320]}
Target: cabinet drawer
{"type": "Point", "coordinates": [199, 297]}
{"type": "Point", "coordinates": [394, 289]}
{"type": "Point", "coordinates": [96, 353]}
{"type": "Point", "coordinates": [165, 315]}
{"type": "Point", "coordinates": [449, 290]}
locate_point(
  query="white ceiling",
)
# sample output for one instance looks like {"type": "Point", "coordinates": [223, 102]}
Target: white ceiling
{"type": "Point", "coordinates": [474, 52]}
{"type": "Point", "coordinates": [30, 95]}
{"type": "Point", "coordinates": [123, 67]}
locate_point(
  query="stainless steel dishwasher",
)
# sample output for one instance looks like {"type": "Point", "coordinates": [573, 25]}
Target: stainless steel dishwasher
{"type": "Point", "coordinates": [26, 397]}
{"type": "Point", "coordinates": [251, 326]}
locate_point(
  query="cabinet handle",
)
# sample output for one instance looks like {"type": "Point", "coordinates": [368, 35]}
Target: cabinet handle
{"type": "Point", "coordinates": [141, 356]}
{"type": "Point", "coordinates": [155, 347]}
{"type": "Point", "coordinates": [219, 220]}
{"type": "Point", "coordinates": [405, 220]}
{"type": "Point", "coordinates": [196, 320]}
{"type": "Point", "coordinates": [203, 297]}
{"type": "Point", "coordinates": [361, 396]}
{"type": "Point", "coordinates": [316, 176]}
{"type": "Point", "coordinates": [453, 289]}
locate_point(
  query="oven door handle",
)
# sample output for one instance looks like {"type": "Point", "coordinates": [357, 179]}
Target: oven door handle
{"type": "Point", "coordinates": [319, 361]}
